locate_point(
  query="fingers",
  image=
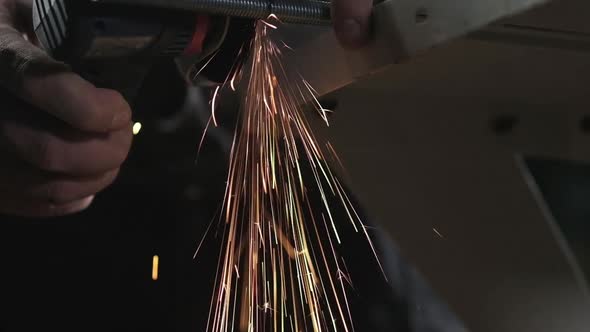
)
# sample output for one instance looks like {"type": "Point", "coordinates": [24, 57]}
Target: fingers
{"type": "Point", "coordinates": [351, 21]}
{"type": "Point", "coordinates": [28, 192]}
{"type": "Point", "coordinates": [78, 154]}
{"type": "Point", "coordinates": [70, 152]}
{"type": "Point", "coordinates": [38, 188]}
{"type": "Point", "coordinates": [77, 102]}
{"type": "Point", "coordinates": [62, 139]}
{"type": "Point", "coordinates": [50, 145]}
{"type": "Point", "coordinates": [49, 168]}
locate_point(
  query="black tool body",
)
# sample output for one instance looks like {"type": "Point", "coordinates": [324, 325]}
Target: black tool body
{"type": "Point", "coordinates": [113, 46]}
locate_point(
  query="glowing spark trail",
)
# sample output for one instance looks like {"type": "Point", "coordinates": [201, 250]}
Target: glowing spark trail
{"type": "Point", "coordinates": [279, 269]}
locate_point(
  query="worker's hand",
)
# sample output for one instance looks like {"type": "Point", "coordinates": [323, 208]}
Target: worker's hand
{"type": "Point", "coordinates": [62, 140]}
{"type": "Point", "coordinates": [351, 21]}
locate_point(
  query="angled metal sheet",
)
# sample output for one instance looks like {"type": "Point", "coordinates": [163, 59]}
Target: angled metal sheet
{"type": "Point", "coordinates": [402, 29]}
{"type": "Point", "coordinates": [420, 147]}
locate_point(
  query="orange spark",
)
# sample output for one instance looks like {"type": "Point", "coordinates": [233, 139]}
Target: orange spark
{"type": "Point", "coordinates": [292, 276]}
{"type": "Point", "coordinates": [214, 105]}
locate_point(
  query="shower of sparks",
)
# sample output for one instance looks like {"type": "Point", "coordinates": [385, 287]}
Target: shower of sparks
{"type": "Point", "coordinates": [279, 269]}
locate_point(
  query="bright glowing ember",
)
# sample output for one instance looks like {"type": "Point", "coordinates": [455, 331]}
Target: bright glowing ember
{"type": "Point", "coordinates": [279, 269]}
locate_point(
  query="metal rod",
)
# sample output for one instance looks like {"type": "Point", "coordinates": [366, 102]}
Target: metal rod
{"type": "Point", "coordinates": [313, 12]}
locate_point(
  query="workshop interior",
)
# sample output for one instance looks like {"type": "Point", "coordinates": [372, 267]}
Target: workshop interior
{"type": "Point", "coordinates": [462, 128]}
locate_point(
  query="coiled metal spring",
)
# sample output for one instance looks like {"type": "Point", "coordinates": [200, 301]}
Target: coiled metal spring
{"type": "Point", "coordinates": [289, 11]}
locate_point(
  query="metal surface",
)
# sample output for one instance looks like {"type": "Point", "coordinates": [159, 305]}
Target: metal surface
{"type": "Point", "coordinates": [403, 29]}
{"type": "Point", "coordinates": [290, 11]}
{"type": "Point", "coordinates": [434, 148]}
{"type": "Point", "coordinates": [426, 156]}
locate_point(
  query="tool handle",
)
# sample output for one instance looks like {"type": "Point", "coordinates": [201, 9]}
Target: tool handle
{"type": "Point", "coordinates": [112, 46]}
{"type": "Point", "coordinates": [125, 75]}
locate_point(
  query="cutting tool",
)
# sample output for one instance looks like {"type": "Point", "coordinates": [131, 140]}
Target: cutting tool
{"type": "Point", "coordinates": [114, 43]}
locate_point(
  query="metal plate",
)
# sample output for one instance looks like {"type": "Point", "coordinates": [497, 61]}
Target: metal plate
{"type": "Point", "coordinates": [419, 145]}
{"type": "Point", "coordinates": [403, 29]}
{"type": "Point", "coordinates": [426, 156]}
